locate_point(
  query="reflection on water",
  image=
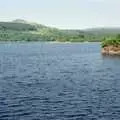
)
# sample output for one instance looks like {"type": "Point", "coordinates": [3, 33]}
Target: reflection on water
{"type": "Point", "coordinates": [58, 82]}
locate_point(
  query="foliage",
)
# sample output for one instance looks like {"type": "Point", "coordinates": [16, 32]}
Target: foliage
{"type": "Point", "coordinates": [20, 30]}
{"type": "Point", "coordinates": [115, 41]}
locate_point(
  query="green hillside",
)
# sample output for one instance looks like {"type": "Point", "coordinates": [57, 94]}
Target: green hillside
{"type": "Point", "coordinates": [21, 30]}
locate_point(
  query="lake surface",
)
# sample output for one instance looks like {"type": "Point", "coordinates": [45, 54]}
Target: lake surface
{"type": "Point", "coordinates": [46, 81]}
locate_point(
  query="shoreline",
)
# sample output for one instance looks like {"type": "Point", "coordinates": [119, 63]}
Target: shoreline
{"type": "Point", "coordinates": [52, 42]}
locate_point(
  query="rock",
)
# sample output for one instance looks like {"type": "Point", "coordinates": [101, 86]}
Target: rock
{"type": "Point", "coordinates": [111, 50]}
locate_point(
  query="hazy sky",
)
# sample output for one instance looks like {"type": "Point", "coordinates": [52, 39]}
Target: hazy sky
{"type": "Point", "coordinates": [72, 14]}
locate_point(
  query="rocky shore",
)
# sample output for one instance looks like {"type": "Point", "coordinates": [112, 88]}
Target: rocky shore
{"type": "Point", "coordinates": [111, 50]}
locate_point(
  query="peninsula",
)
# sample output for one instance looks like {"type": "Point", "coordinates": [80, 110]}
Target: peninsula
{"type": "Point", "coordinates": [111, 46]}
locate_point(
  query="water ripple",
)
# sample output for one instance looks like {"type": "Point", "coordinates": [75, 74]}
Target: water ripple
{"type": "Point", "coordinates": [43, 81]}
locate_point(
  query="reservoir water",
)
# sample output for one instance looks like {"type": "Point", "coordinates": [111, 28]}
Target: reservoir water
{"type": "Point", "coordinates": [57, 81]}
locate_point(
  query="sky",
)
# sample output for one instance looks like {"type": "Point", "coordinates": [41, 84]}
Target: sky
{"type": "Point", "coordinates": [63, 14]}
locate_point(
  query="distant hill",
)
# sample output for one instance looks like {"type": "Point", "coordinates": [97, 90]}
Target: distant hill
{"type": "Point", "coordinates": [21, 30]}
{"type": "Point", "coordinates": [16, 26]}
{"type": "Point", "coordinates": [103, 30]}
{"type": "Point", "coordinates": [103, 33]}
{"type": "Point", "coordinates": [20, 25]}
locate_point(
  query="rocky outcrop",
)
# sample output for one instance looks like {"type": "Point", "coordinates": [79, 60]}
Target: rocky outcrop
{"type": "Point", "coordinates": [111, 50]}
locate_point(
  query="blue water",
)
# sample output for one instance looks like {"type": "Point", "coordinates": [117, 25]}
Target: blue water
{"type": "Point", "coordinates": [46, 81]}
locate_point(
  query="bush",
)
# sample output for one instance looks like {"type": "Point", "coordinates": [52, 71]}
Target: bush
{"type": "Point", "coordinates": [111, 41]}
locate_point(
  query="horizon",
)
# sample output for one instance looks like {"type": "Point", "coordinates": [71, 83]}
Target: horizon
{"type": "Point", "coordinates": [64, 14]}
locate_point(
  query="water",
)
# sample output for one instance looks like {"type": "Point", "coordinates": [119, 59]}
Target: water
{"type": "Point", "coordinates": [44, 81]}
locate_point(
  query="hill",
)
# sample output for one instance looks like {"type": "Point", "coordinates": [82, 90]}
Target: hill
{"type": "Point", "coordinates": [103, 30]}
{"type": "Point", "coordinates": [21, 30]}
{"type": "Point", "coordinates": [102, 33]}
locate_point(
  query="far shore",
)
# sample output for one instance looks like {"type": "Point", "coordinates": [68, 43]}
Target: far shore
{"type": "Point", "coordinates": [52, 42]}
